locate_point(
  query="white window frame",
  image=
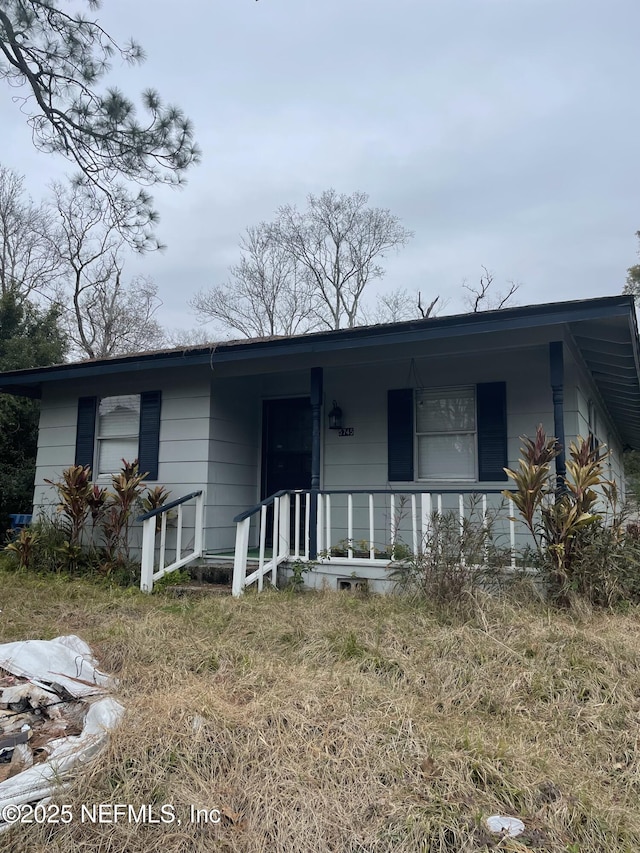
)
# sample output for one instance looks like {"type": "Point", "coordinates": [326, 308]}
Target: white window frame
{"type": "Point", "coordinates": [474, 432]}
{"type": "Point", "coordinates": [104, 475]}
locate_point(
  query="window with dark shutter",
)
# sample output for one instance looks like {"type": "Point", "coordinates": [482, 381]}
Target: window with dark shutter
{"type": "Point", "coordinates": [149, 442]}
{"type": "Point", "coordinates": [86, 431]}
{"type": "Point", "coordinates": [400, 435]}
{"type": "Point", "coordinates": [491, 399]}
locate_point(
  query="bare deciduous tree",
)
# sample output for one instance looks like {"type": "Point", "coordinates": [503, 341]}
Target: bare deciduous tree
{"type": "Point", "coordinates": [107, 317]}
{"type": "Point", "coordinates": [397, 305]}
{"type": "Point", "coordinates": [268, 293]}
{"type": "Point", "coordinates": [338, 241]}
{"type": "Point", "coordinates": [27, 265]}
{"type": "Point", "coordinates": [481, 299]}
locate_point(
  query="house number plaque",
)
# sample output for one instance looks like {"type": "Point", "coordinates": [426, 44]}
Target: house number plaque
{"type": "Point", "coordinates": [345, 432]}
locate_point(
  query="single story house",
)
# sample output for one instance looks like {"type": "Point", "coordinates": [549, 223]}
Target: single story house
{"type": "Point", "coordinates": [358, 433]}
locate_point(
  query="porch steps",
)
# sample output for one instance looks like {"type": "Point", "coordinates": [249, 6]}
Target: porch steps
{"type": "Point", "coordinates": [194, 588]}
{"type": "Point", "coordinates": [212, 574]}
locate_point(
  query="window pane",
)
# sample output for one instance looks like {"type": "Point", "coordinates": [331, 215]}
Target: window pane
{"type": "Point", "coordinates": [112, 451]}
{"type": "Point", "coordinates": [119, 415]}
{"type": "Point", "coordinates": [445, 410]}
{"type": "Point", "coordinates": [446, 457]}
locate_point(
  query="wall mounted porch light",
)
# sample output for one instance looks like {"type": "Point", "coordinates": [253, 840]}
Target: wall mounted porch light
{"type": "Point", "coordinates": [335, 417]}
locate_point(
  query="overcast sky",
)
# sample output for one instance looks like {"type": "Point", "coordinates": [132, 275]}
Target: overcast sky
{"type": "Point", "coordinates": [502, 132]}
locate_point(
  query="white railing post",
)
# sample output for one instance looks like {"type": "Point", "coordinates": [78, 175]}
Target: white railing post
{"type": "Point", "coordinates": [148, 554]}
{"type": "Point", "coordinates": [284, 538]}
{"type": "Point", "coordinates": [179, 535]}
{"type": "Point", "coordinates": [163, 541]}
{"type": "Point", "coordinates": [307, 523]}
{"type": "Point", "coordinates": [320, 525]}
{"type": "Point", "coordinates": [414, 524]}
{"type": "Point", "coordinates": [461, 521]}
{"type": "Point", "coordinates": [275, 535]}
{"type": "Point", "coordinates": [426, 512]}
{"type": "Point", "coordinates": [350, 526]}
{"type": "Point", "coordinates": [485, 528]}
{"type": "Point", "coordinates": [198, 541]}
{"type": "Point", "coordinates": [263, 541]}
{"type": "Point", "coordinates": [296, 532]}
{"type": "Point", "coordinates": [327, 515]}
{"type": "Point", "coordinates": [240, 557]}
{"type": "Point", "coordinates": [393, 532]}
{"type": "Point", "coordinates": [512, 541]}
{"type": "Point", "coordinates": [372, 532]}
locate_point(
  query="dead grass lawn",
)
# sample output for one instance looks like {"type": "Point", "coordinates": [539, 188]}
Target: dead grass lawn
{"type": "Point", "coordinates": [334, 723]}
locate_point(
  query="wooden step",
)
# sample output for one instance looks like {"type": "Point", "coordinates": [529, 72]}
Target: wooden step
{"type": "Point", "coordinates": [185, 590]}
{"type": "Point", "coordinates": [214, 573]}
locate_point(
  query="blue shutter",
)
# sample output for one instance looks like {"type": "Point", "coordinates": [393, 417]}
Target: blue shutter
{"type": "Point", "coordinates": [86, 431]}
{"type": "Point", "coordinates": [491, 400]}
{"type": "Point", "coordinates": [400, 435]}
{"type": "Point", "coordinates": [149, 439]}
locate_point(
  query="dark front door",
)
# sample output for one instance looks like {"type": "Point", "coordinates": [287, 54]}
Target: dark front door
{"type": "Point", "coordinates": [286, 445]}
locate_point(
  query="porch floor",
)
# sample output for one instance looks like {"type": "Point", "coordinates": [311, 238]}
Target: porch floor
{"type": "Point", "coordinates": [229, 554]}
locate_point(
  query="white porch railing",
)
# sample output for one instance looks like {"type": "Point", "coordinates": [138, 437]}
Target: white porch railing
{"type": "Point", "coordinates": [280, 550]}
{"type": "Point", "coordinates": [359, 527]}
{"type": "Point", "coordinates": [148, 573]}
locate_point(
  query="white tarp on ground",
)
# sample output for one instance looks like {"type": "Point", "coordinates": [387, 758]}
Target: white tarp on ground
{"type": "Point", "coordinates": [68, 662]}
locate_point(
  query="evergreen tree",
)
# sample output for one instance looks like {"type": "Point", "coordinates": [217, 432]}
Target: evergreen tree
{"type": "Point", "coordinates": [56, 60]}
{"type": "Point", "coordinates": [29, 337]}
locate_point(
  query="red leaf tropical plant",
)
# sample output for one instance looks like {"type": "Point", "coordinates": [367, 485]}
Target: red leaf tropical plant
{"type": "Point", "coordinates": [556, 513]}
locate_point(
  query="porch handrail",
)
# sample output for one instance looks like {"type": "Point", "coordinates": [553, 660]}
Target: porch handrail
{"type": "Point", "coordinates": [310, 538]}
{"type": "Point", "coordinates": [254, 509]}
{"type": "Point", "coordinates": [280, 542]}
{"type": "Point", "coordinates": [149, 532]}
{"type": "Point", "coordinates": [436, 490]}
{"type": "Point", "coordinates": [165, 507]}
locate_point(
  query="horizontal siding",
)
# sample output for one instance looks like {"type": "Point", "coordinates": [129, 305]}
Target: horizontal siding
{"type": "Point", "coordinates": [61, 436]}
{"type": "Point", "coordinates": [184, 429]}
{"type": "Point", "coordinates": [184, 408]}
{"type": "Point", "coordinates": [239, 453]}
{"type": "Point", "coordinates": [234, 453]}
{"type": "Point", "coordinates": [195, 450]}
{"type": "Point", "coordinates": [59, 417]}
{"type": "Point", "coordinates": [228, 474]}
{"type": "Point", "coordinates": [361, 461]}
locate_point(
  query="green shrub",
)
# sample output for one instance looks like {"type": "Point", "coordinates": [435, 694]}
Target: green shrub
{"type": "Point", "coordinates": [577, 527]}
{"type": "Point", "coordinates": [454, 557]}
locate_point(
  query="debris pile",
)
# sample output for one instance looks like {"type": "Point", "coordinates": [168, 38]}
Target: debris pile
{"type": "Point", "coordinates": [31, 716]}
{"type": "Point", "coordinates": [54, 713]}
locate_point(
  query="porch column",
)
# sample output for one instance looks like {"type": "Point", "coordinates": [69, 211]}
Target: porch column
{"type": "Point", "coordinates": [556, 369]}
{"type": "Point", "coordinates": [316, 432]}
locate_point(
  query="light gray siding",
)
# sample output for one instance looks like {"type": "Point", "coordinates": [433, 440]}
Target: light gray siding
{"type": "Point", "coordinates": [184, 432]}
{"type": "Point", "coordinates": [211, 419]}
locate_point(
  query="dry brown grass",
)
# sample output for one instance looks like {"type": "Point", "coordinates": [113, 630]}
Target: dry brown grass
{"type": "Point", "coordinates": [333, 723]}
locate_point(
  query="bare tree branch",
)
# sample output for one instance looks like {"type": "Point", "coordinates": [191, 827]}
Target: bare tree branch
{"type": "Point", "coordinates": [27, 267]}
{"type": "Point", "coordinates": [268, 292]}
{"type": "Point", "coordinates": [338, 241]}
{"type": "Point", "coordinates": [59, 60]}
{"type": "Point", "coordinates": [482, 300]}
{"type": "Point", "coordinates": [107, 317]}
{"type": "Point", "coordinates": [428, 311]}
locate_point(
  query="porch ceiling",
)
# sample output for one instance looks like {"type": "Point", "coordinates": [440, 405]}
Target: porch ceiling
{"type": "Point", "coordinates": [609, 348]}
